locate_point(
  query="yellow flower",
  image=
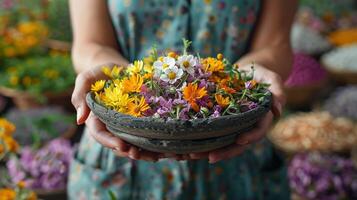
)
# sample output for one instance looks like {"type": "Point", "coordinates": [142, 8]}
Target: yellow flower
{"type": "Point", "coordinates": [133, 83]}
{"type": "Point", "coordinates": [14, 80]}
{"type": "Point", "coordinates": [212, 65]}
{"type": "Point", "coordinates": [172, 54]}
{"type": "Point", "coordinates": [223, 102]}
{"type": "Point", "coordinates": [136, 68]}
{"type": "Point", "coordinates": [7, 194]}
{"type": "Point", "coordinates": [6, 127]}
{"type": "Point", "coordinates": [21, 184]}
{"type": "Point", "coordinates": [148, 61]}
{"type": "Point", "coordinates": [115, 98]}
{"type": "Point", "coordinates": [112, 72]}
{"type": "Point", "coordinates": [137, 107]}
{"type": "Point", "coordinates": [51, 73]}
{"type": "Point", "coordinates": [27, 81]}
{"type": "Point", "coordinates": [220, 56]}
{"type": "Point", "coordinates": [98, 86]}
{"type": "Point", "coordinates": [191, 93]}
{"type": "Point", "coordinates": [9, 52]}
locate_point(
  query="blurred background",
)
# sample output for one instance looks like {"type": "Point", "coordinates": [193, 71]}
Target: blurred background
{"type": "Point", "coordinates": [317, 134]}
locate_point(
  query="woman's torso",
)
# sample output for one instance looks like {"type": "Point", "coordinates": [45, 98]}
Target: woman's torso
{"type": "Point", "coordinates": [213, 26]}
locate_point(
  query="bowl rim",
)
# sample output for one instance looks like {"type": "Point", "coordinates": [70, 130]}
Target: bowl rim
{"type": "Point", "coordinates": [266, 103]}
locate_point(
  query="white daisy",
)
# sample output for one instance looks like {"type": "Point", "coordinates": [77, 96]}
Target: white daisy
{"type": "Point", "coordinates": [161, 64]}
{"type": "Point", "coordinates": [171, 74]}
{"type": "Point", "coordinates": [187, 63]}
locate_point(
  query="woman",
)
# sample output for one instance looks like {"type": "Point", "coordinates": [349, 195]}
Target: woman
{"type": "Point", "coordinates": [118, 32]}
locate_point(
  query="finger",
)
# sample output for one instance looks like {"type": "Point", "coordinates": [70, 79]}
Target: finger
{"type": "Point", "coordinates": [198, 156]}
{"type": "Point", "coordinates": [99, 133]}
{"type": "Point", "coordinates": [258, 132]}
{"type": "Point", "coordinates": [83, 83]}
{"type": "Point", "coordinates": [120, 153]}
{"type": "Point", "coordinates": [279, 97]}
{"type": "Point", "coordinates": [226, 153]}
{"type": "Point", "coordinates": [82, 86]}
{"type": "Point", "coordinates": [140, 154]}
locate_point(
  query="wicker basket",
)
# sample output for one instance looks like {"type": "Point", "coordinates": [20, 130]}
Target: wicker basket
{"type": "Point", "coordinates": [23, 100]}
{"type": "Point", "coordinates": [346, 77]}
{"type": "Point", "coordinates": [60, 194]}
{"type": "Point", "coordinates": [301, 96]}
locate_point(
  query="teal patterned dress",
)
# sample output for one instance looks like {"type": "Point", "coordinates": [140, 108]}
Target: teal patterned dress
{"type": "Point", "coordinates": [224, 26]}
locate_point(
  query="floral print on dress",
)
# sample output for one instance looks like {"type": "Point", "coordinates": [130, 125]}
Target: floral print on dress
{"type": "Point", "coordinates": [213, 26]}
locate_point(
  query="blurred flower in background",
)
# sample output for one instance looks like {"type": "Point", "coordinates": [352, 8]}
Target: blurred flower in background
{"type": "Point", "coordinates": [323, 176]}
{"type": "Point", "coordinates": [7, 142]}
{"type": "Point", "coordinates": [46, 168]}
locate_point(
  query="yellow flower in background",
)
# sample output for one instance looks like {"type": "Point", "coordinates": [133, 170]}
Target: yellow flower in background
{"type": "Point", "coordinates": [138, 107]}
{"type": "Point", "coordinates": [112, 72]}
{"type": "Point", "coordinates": [133, 83]}
{"type": "Point", "coordinates": [7, 143]}
{"type": "Point", "coordinates": [115, 98]}
{"type": "Point", "coordinates": [51, 73]}
{"type": "Point", "coordinates": [10, 52]}
{"type": "Point", "coordinates": [136, 68]}
{"type": "Point", "coordinates": [21, 184]}
{"type": "Point", "coordinates": [98, 85]}
{"type": "Point", "coordinates": [222, 101]}
{"type": "Point", "coordinates": [27, 81]}
{"type": "Point", "coordinates": [7, 194]}
{"type": "Point", "coordinates": [14, 80]}
{"type": "Point", "coordinates": [6, 127]}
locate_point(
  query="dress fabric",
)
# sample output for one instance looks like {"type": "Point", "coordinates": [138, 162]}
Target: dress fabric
{"type": "Point", "coordinates": [213, 26]}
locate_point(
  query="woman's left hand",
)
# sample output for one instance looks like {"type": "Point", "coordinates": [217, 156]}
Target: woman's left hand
{"type": "Point", "coordinates": [243, 141]}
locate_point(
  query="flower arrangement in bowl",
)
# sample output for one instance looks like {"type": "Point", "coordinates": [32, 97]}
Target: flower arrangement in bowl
{"type": "Point", "coordinates": [36, 80]}
{"type": "Point", "coordinates": [179, 103]}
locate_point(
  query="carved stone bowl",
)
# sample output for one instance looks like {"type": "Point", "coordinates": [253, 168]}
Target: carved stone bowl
{"type": "Point", "coordinates": [176, 135]}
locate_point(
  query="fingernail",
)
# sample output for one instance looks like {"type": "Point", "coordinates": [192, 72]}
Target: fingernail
{"type": "Point", "coordinates": [115, 149]}
{"type": "Point", "coordinates": [212, 161]}
{"type": "Point", "coordinates": [242, 142]}
{"type": "Point", "coordinates": [79, 115]}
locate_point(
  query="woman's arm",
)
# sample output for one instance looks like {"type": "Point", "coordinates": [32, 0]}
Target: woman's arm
{"type": "Point", "coordinates": [94, 45]}
{"type": "Point", "coordinates": [271, 43]}
{"type": "Point", "coordinates": [94, 40]}
{"type": "Point", "coordinates": [272, 55]}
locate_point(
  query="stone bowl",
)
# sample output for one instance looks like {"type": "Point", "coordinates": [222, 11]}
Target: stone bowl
{"type": "Point", "coordinates": [175, 135]}
{"type": "Point", "coordinates": [177, 129]}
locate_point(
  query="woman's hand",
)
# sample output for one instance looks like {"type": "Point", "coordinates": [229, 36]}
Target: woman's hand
{"type": "Point", "coordinates": [261, 74]}
{"type": "Point", "coordinates": [96, 128]}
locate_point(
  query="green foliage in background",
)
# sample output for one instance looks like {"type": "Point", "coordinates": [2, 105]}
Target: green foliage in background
{"type": "Point", "coordinates": [59, 20]}
{"type": "Point", "coordinates": [324, 8]}
{"type": "Point", "coordinates": [36, 75]}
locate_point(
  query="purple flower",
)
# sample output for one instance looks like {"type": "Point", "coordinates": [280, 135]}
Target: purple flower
{"type": "Point", "coordinates": [46, 168]}
{"type": "Point", "coordinates": [318, 176]}
{"type": "Point", "coordinates": [164, 106]}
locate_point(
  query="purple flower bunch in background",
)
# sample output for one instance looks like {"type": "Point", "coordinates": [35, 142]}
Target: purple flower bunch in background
{"type": "Point", "coordinates": [323, 176]}
{"type": "Point", "coordinates": [46, 168]}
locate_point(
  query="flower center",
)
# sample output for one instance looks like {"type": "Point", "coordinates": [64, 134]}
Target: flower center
{"type": "Point", "coordinates": [186, 64]}
{"type": "Point", "coordinates": [137, 109]}
{"type": "Point", "coordinates": [172, 75]}
{"type": "Point", "coordinates": [164, 66]}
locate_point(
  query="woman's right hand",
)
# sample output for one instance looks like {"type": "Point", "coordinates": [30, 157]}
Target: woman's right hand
{"type": "Point", "coordinates": [96, 128]}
